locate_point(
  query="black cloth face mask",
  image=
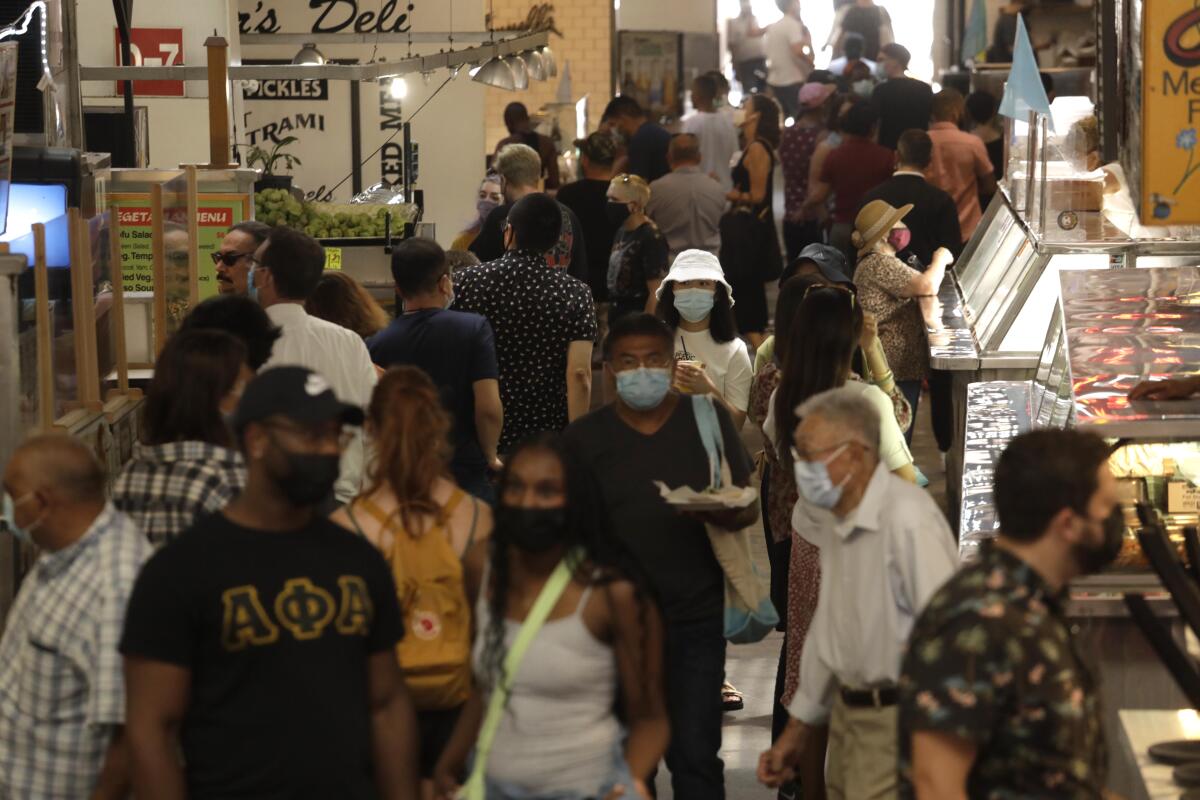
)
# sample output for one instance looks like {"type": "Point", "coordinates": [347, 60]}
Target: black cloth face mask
{"type": "Point", "coordinates": [534, 530]}
{"type": "Point", "coordinates": [309, 477]}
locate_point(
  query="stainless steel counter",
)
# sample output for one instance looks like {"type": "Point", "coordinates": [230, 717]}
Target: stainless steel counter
{"type": "Point", "coordinates": [997, 411]}
{"type": "Point", "coordinates": [1142, 728]}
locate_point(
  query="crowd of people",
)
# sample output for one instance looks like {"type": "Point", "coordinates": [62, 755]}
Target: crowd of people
{"type": "Point", "coordinates": [420, 555]}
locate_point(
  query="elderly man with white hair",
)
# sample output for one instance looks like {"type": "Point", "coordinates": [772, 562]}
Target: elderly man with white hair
{"type": "Point", "coordinates": [885, 549]}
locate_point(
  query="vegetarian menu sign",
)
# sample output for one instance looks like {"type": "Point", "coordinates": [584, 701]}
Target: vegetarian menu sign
{"type": "Point", "coordinates": [1171, 113]}
{"type": "Point", "coordinates": [215, 214]}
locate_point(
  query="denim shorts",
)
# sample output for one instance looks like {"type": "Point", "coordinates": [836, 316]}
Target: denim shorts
{"type": "Point", "coordinates": [619, 776]}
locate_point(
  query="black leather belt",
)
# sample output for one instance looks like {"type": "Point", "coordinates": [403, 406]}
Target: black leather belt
{"type": "Point", "coordinates": [871, 698]}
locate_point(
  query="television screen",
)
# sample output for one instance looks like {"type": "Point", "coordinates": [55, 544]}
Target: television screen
{"type": "Point", "coordinates": [38, 202]}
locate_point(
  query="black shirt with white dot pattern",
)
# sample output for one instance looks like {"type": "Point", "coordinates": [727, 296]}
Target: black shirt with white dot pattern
{"type": "Point", "coordinates": [535, 312]}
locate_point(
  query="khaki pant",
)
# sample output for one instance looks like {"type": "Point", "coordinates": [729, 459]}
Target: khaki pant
{"type": "Point", "coordinates": [862, 753]}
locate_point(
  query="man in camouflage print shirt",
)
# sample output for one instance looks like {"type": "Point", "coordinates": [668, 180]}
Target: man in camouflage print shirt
{"type": "Point", "coordinates": [996, 700]}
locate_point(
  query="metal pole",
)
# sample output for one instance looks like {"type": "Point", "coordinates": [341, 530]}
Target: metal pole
{"type": "Point", "coordinates": [124, 12]}
{"type": "Point", "coordinates": [1045, 179]}
{"type": "Point", "coordinates": [1030, 155]}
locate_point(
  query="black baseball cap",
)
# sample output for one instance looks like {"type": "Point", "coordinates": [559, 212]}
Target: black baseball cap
{"type": "Point", "coordinates": [829, 260]}
{"type": "Point", "coordinates": [296, 393]}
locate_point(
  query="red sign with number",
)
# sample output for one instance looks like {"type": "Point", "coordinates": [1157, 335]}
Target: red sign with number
{"type": "Point", "coordinates": [153, 47]}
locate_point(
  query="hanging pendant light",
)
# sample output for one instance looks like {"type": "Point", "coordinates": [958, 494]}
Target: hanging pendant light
{"type": "Point", "coordinates": [536, 64]}
{"type": "Point", "coordinates": [520, 71]}
{"type": "Point", "coordinates": [309, 54]}
{"type": "Point", "coordinates": [548, 59]}
{"type": "Point", "coordinates": [496, 72]}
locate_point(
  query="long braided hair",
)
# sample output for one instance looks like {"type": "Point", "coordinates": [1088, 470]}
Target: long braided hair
{"type": "Point", "coordinates": [605, 558]}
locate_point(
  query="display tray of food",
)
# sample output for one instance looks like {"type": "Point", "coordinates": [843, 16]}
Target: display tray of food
{"type": "Point", "coordinates": [334, 223]}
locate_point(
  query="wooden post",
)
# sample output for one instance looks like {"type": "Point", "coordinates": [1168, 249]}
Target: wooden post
{"type": "Point", "coordinates": [117, 271]}
{"type": "Point", "coordinates": [87, 366]}
{"type": "Point", "coordinates": [45, 330]}
{"type": "Point", "coordinates": [193, 232]}
{"type": "Point", "coordinates": [158, 247]}
{"type": "Point", "coordinates": [218, 102]}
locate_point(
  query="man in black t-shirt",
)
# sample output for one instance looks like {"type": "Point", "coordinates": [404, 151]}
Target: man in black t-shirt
{"type": "Point", "coordinates": [901, 102]}
{"type": "Point", "coordinates": [650, 434]}
{"type": "Point", "coordinates": [588, 198]}
{"type": "Point", "coordinates": [456, 349]}
{"type": "Point", "coordinates": [265, 634]}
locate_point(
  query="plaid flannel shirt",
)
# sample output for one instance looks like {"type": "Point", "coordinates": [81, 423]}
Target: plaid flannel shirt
{"type": "Point", "coordinates": [165, 487]}
{"type": "Point", "coordinates": [61, 688]}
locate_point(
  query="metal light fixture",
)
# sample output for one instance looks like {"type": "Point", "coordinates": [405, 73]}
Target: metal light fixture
{"type": "Point", "coordinates": [309, 54]}
{"type": "Point", "coordinates": [548, 59]}
{"type": "Point", "coordinates": [496, 72]}
{"type": "Point", "coordinates": [537, 65]}
{"type": "Point", "coordinates": [520, 71]}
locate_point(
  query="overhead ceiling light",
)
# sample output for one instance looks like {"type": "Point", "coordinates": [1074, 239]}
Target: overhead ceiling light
{"type": "Point", "coordinates": [397, 88]}
{"type": "Point", "coordinates": [537, 65]}
{"type": "Point", "coordinates": [548, 59]}
{"type": "Point", "coordinates": [309, 54]}
{"type": "Point", "coordinates": [520, 71]}
{"type": "Point", "coordinates": [496, 72]}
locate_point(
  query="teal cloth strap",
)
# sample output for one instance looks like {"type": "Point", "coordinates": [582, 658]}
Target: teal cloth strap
{"type": "Point", "coordinates": [546, 601]}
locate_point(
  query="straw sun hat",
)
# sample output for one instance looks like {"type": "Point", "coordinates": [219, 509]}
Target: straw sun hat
{"type": "Point", "coordinates": [873, 223]}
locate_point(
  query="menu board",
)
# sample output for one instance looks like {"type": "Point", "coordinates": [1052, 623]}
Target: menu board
{"type": "Point", "coordinates": [8, 97]}
{"type": "Point", "coordinates": [1170, 113]}
{"type": "Point", "coordinates": [216, 213]}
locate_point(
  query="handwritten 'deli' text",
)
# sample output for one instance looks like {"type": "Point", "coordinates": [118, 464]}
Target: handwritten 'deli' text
{"type": "Point", "coordinates": [332, 16]}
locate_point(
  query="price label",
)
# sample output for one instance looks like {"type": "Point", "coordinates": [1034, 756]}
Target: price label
{"type": "Point", "coordinates": [333, 258]}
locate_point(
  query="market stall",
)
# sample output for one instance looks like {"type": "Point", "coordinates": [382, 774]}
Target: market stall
{"type": "Point", "coordinates": [1110, 329]}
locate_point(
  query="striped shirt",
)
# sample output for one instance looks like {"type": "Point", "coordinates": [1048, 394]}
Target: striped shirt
{"type": "Point", "coordinates": [165, 487]}
{"type": "Point", "coordinates": [61, 689]}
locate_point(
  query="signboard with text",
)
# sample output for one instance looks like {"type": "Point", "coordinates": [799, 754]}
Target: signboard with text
{"type": "Point", "coordinates": [216, 213]}
{"type": "Point", "coordinates": [153, 47]}
{"type": "Point", "coordinates": [1170, 180]}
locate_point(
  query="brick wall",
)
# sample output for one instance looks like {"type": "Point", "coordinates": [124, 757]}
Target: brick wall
{"type": "Point", "coordinates": [586, 42]}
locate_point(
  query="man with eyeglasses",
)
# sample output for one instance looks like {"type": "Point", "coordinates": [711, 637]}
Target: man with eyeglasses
{"type": "Point", "coordinates": [232, 259]}
{"type": "Point", "coordinates": [651, 434]}
{"type": "Point", "coordinates": [260, 643]}
{"type": "Point", "coordinates": [885, 549]}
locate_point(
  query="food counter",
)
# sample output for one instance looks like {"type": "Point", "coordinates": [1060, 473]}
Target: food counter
{"type": "Point", "coordinates": [1111, 329]}
{"type": "Point", "coordinates": [1139, 730]}
{"type": "Point", "coordinates": [1051, 216]}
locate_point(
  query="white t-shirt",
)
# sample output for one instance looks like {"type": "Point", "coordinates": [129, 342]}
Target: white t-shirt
{"type": "Point", "coordinates": [727, 363]}
{"type": "Point", "coordinates": [783, 68]}
{"type": "Point", "coordinates": [718, 140]}
{"type": "Point", "coordinates": [338, 355]}
{"type": "Point", "coordinates": [893, 452]}
{"type": "Point", "coordinates": [743, 46]}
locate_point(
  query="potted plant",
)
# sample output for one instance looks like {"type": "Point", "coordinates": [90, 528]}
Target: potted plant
{"type": "Point", "coordinates": [268, 159]}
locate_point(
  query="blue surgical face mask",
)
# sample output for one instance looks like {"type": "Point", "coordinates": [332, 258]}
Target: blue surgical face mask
{"type": "Point", "coordinates": [694, 305]}
{"type": "Point", "coordinates": [814, 483]}
{"type": "Point", "coordinates": [643, 388]}
{"type": "Point", "coordinates": [10, 519]}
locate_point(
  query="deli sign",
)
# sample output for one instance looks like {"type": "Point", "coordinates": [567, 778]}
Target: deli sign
{"type": "Point", "coordinates": [325, 16]}
{"type": "Point", "coordinates": [290, 89]}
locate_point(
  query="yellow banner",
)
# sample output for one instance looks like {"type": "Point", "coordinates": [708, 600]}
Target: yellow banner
{"type": "Point", "coordinates": [1171, 113]}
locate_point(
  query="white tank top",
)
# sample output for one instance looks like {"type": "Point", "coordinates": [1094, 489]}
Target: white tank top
{"type": "Point", "coordinates": [559, 731]}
